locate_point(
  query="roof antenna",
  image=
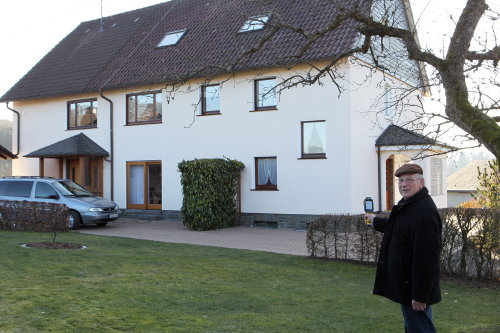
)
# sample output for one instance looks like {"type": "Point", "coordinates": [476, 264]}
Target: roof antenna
{"type": "Point", "coordinates": [101, 29]}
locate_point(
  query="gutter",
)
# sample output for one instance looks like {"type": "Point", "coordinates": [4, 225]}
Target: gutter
{"type": "Point", "coordinates": [379, 167]}
{"type": "Point", "coordinates": [111, 143]}
{"type": "Point", "coordinates": [18, 127]}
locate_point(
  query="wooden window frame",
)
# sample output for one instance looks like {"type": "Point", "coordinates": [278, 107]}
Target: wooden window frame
{"type": "Point", "coordinates": [138, 122]}
{"type": "Point", "coordinates": [204, 111]}
{"type": "Point", "coordinates": [257, 94]}
{"type": "Point", "coordinates": [146, 205]}
{"type": "Point", "coordinates": [314, 155]}
{"type": "Point", "coordinates": [264, 187]}
{"type": "Point", "coordinates": [74, 126]}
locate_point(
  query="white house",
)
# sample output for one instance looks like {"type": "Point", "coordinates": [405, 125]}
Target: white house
{"type": "Point", "coordinates": [117, 105]}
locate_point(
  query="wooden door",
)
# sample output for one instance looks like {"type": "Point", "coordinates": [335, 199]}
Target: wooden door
{"type": "Point", "coordinates": [144, 190]}
{"type": "Point", "coordinates": [389, 184]}
{"type": "Point", "coordinates": [73, 170]}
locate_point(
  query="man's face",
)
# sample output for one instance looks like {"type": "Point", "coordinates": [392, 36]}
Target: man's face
{"type": "Point", "coordinates": [409, 185]}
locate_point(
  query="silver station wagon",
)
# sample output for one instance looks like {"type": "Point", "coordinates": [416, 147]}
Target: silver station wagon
{"type": "Point", "coordinates": [85, 208]}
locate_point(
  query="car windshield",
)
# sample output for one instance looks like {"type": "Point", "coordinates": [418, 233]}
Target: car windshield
{"type": "Point", "coordinates": [69, 188]}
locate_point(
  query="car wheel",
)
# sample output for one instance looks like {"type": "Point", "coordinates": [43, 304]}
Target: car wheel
{"type": "Point", "coordinates": [102, 224]}
{"type": "Point", "coordinates": [74, 220]}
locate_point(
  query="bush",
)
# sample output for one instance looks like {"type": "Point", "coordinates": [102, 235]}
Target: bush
{"type": "Point", "coordinates": [345, 237]}
{"type": "Point", "coordinates": [34, 216]}
{"type": "Point", "coordinates": [469, 243]}
{"type": "Point", "coordinates": [210, 187]}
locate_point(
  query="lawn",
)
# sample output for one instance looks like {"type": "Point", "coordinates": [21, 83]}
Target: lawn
{"type": "Point", "coordinates": [127, 285]}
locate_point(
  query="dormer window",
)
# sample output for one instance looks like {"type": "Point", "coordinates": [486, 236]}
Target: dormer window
{"type": "Point", "coordinates": [255, 23]}
{"type": "Point", "coordinates": [172, 38]}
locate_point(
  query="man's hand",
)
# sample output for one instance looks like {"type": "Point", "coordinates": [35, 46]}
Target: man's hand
{"type": "Point", "coordinates": [417, 306]}
{"type": "Point", "coordinates": [369, 218]}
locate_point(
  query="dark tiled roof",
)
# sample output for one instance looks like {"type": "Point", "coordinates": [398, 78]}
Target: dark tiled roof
{"type": "Point", "coordinates": [398, 136]}
{"type": "Point", "coordinates": [78, 145]}
{"type": "Point", "coordinates": [124, 54]}
{"type": "Point", "coordinates": [6, 154]}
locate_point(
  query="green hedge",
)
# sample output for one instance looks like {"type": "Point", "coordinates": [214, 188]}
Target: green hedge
{"type": "Point", "coordinates": [210, 187]}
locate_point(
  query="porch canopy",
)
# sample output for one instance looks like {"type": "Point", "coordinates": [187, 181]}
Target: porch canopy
{"type": "Point", "coordinates": [78, 145]}
{"type": "Point", "coordinates": [6, 154]}
{"type": "Point", "coordinates": [77, 148]}
{"type": "Point", "coordinates": [396, 146]}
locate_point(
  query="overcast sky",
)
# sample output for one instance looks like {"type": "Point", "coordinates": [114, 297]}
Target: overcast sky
{"type": "Point", "coordinates": [29, 29]}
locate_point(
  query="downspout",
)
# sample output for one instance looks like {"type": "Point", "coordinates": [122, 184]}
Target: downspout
{"type": "Point", "coordinates": [18, 127]}
{"type": "Point", "coordinates": [111, 153]}
{"type": "Point", "coordinates": [379, 181]}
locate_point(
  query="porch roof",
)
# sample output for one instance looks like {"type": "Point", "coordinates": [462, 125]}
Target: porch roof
{"type": "Point", "coordinates": [6, 154]}
{"type": "Point", "coordinates": [398, 136]}
{"type": "Point", "coordinates": [78, 145]}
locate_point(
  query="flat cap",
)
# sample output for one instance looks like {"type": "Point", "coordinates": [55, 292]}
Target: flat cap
{"type": "Point", "coordinates": [408, 168]}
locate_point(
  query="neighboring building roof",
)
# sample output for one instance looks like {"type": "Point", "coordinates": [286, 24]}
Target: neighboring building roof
{"type": "Point", "coordinates": [6, 154]}
{"type": "Point", "coordinates": [78, 145]}
{"type": "Point", "coordinates": [125, 52]}
{"type": "Point", "coordinates": [398, 136]}
{"type": "Point", "coordinates": [465, 179]}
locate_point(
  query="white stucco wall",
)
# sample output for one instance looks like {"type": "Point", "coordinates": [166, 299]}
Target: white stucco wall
{"type": "Point", "coordinates": [337, 184]}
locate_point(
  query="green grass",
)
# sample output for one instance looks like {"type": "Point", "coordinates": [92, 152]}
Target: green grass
{"type": "Point", "coordinates": [127, 285]}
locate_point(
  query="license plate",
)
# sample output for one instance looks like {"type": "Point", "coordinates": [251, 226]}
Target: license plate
{"type": "Point", "coordinates": [113, 216]}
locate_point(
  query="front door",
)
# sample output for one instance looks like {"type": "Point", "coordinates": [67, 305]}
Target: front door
{"type": "Point", "coordinates": [73, 170]}
{"type": "Point", "coordinates": [86, 171]}
{"type": "Point", "coordinates": [144, 185]}
{"type": "Point", "coordinates": [389, 184]}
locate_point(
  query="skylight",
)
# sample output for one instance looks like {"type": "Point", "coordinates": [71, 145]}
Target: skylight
{"type": "Point", "coordinates": [255, 23]}
{"type": "Point", "coordinates": [171, 38]}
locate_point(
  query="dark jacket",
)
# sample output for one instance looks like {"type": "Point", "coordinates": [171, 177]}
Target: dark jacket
{"type": "Point", "coordinates": [408, 265]}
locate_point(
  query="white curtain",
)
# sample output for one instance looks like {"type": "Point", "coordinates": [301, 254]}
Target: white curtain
{"type": "Point", "coordinates": [137, 184]}
{"type": "Point", "coordinates": [267, 171]}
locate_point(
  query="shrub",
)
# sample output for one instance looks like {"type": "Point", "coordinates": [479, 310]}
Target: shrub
{"type": "Point", "coordinates": [469, 242]}
{"type": "Point", "coordinates": [210, 187]}
{"type": "Point", "coordinates": [34, 216]}
{"type": "Point", "coordinates": [345, 237]}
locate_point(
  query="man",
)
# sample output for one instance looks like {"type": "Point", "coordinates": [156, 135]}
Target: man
{"type": "Point", "coordinates": [408, 265]}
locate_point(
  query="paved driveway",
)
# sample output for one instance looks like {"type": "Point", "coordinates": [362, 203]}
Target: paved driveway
{"type": "Point", "coordinates": [285, 241]}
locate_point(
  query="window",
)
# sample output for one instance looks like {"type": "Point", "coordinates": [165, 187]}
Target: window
{"type": "Point", "coordinates": [255, 23]}
{"type": "Point", "coordinates": [265, 94]}
{"type": "Point", "coordinates": [314, 139]}
{"type": "Point", "coordinates": [266, 173]}
{"type": "Point", "coordinates": [210, 99]}
{"type": "Point", "coordinates": [436, 176]}
{"type": "Point", "coordinates": [171, 38]}
{"type": "Point", "coordinates": [45, 191]}
{"type": "Point", "coordinates": [15, 188]}
{"type": "Point", "coordinates": [82, 114]}
{"type": "Point", "coordinates": [144, 108]}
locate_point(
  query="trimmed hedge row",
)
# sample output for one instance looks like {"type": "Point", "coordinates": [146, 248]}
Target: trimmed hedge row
{"type": "Point", "coordinates": [210, 187]}
{"type": "Point", "coordinates": [34, 216]}
{"type": "Point", "coordinates": [470, 241]}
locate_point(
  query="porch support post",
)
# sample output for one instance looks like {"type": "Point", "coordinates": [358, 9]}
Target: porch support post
{"type": "Point", "coordinates": [41, 169]}
{"type": "Point", "coordinates": [61, 166]}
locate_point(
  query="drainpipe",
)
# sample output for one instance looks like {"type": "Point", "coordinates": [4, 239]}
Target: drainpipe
{"type": "Point", "coordinates": [110, 142]}
{"type": "Point", "coordinates": [18, 127]}
{"type": "Point", "coordinates": [379, 181]}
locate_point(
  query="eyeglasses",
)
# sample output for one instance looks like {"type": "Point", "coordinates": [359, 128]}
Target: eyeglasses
{"type": "Point", "coordinates": [406, 180]}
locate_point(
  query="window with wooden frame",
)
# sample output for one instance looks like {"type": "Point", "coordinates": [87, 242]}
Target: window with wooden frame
{"type": "Point", "coordinates": [266, 173]}
{"type": "Point", "coordinates": [210, 99]}
{"type": "Point", "coordinates": [313, 139]}
{"type": "Point", "coordinates": [266, 97]}
{"type": "Point", "coordinates": [82, 114]}
{"type": "Point", "coordinates": [144, 108]}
